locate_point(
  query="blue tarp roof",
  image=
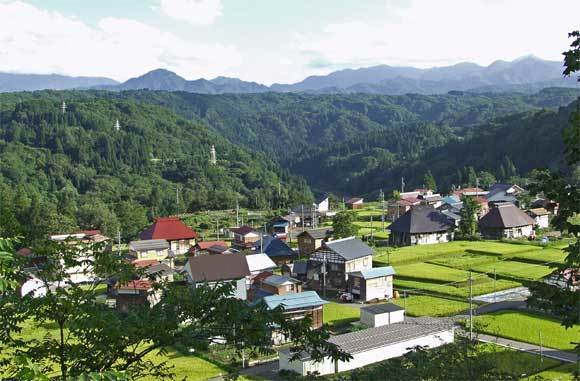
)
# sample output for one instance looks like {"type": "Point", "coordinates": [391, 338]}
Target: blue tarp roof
{"type": "Point", "coordinates": [293, 301]}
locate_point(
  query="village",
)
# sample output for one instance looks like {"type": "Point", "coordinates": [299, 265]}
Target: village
{"type": "Point", "coordinates": [405, 278]}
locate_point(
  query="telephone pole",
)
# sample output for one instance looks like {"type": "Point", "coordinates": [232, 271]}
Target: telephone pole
{"type": "Point", "coordinates": [470, 307]}
{"type": "Point", "coordinates": [382, 198]}
{"type": "Point", "coordinates": [237, 213]}
{"type": "Point", "coordinates": [119, 242]}
{"type": "Point", "coordinates": [177, 199]}
{"type": "Point", "coordinates": [402, 185]}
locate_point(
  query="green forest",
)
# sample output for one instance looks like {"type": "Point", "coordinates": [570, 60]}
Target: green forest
{"type": "Point", "coordinates": [63, 171]}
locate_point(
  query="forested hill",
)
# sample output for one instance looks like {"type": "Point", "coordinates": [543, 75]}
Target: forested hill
{"type": "Point", "coordinates": [285, 125]}
{"type": "Point", "coordinates": [63, 171]}
{"type": "Point", "coordinates": [502, 149]}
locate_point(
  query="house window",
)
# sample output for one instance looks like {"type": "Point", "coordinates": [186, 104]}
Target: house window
{"type": "Point", "coordinates": [365, 261]}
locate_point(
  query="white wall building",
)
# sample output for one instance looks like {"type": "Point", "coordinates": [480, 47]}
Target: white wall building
{"type": "Point", "coordinates": [373, 345]}
{"type": "Point", "coordinates": [381, 314]}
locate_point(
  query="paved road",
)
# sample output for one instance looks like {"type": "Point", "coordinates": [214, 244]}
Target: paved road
{"type": "Point", "coordinates": [530, 348]}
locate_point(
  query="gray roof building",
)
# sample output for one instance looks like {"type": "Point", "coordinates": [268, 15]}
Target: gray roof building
{"type": "Point", "coordinates": [349, 248]}
{"type": "Point", "coordinates": [150, 244]}
{"type": "Point", "coordinates": [422, 219]}
{"type": "Point", "coordinates": [505, 216]}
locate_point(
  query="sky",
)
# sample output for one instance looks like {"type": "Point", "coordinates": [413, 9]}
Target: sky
{"type": "Point", "coordinates": [271, 41]}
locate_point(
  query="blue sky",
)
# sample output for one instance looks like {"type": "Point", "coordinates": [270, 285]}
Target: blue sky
{"type": "Point", "coordinates": [273, 40]}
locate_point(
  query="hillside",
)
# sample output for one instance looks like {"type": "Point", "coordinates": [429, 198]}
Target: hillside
{"type": "Point", "coordinates": [60, 171]}
{"type": "Point", "coordinates": [31, 82]}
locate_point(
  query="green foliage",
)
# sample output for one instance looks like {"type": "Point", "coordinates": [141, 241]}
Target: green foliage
{"type": "Point", "coordinates": [61, 172]}
{"type": "Point", "coordinates": [121, 342]}
{"type": "Point", "coordinates": [343, 224]}
{"type": "Point", "coordinates": [469, 217]}
{"type": "Point", "coordinates": [429, 181]}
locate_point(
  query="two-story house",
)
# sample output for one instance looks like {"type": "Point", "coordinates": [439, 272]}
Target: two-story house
{"type": "Point", "coordinates": [180, 236]}
{"type": "Point", "coordinates": [310, 240]}
{"type": "Point", "coordinates": [373, 284]}
{"type": "Point", "coordinates": [245, 237]}
{"type": "Point", "coordinates": [337, 259]}
{"type": "Point", "coordinates": [153, 249]}
{"type": "Point", "coordinates": [211, 269]}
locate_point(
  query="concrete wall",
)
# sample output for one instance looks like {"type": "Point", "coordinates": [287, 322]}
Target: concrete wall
{"type": "Point", "coordinates": [379, 288]}
{"type": "Point", "coordinates": [378, 320]}
{"type": "Point", "coordinates": [386, 352]}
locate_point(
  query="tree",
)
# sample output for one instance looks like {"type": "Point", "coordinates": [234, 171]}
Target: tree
{"type": "Point", "coordinates": [84, 336]}
{"type": "Point", "coordinates": [429, 181]}
{"type": "Point", "coordinates": [343, 224]}
{"type": "Point", "coordinates": [469, 213]}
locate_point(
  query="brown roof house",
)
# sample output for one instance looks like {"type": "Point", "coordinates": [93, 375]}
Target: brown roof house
{"type": "Point", "coordinates": [505, 220]}
{"type": "Point", "coordinates": [541, 216]}
{"type": "Point", "coordinates": [244, 237]}
{"type": "Point", "coordinates": [354, 203]}
{"type": "Point", "coordinates": [421, 225]}
{"type": "Point", "coordinates": [211, 269]}
{"type": "Point", "coordinates": [310, 240]}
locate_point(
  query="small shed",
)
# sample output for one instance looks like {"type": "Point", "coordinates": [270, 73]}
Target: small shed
{"type": "Point", "coordinates": [381, 314]}
{"type": "Point", "coordinates": [354, 203]}
{"type": "Point", "coordinates": [541, 216]}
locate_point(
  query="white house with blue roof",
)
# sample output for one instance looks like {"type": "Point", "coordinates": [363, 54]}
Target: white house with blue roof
{"type": "Point", "coordinates": [371, 284]}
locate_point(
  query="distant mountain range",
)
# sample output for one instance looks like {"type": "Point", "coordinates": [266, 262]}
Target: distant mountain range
{"type": "Point", "coordinates": [32, 82]}
{"type": "Point", "coordinates": [527, 74]}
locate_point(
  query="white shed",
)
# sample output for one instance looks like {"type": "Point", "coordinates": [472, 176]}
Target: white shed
{"type": "Point", "coordinates": [373, 345]}
{"type": "Point", "coordinates": [381, 314]}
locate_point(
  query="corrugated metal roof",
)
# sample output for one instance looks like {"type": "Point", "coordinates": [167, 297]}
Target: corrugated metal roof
{"type": "Point", "coordinates": [505, 216]}
{"type": "Point", "coordinates": [151, 244]}
{"type": "Point", "coordinates": [279, 280]}
{"type": "Point", "coordinates": [372, 338]}
{"type": "Point", "coordinates": [294, 301]}
{"type": "Point", "coordinates": [377, 272]}
{"type": "Point", "coordinates": [422, 219]}
{"type": "Point", "coordinates": [259, 262]}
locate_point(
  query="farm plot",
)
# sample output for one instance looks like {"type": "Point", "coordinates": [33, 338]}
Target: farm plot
{"type": "Point", "coordinates": [431, 273]}
{"type": "Point", "coordinates": [482, 285]}
{"type": "Point", "coordinates": [515, 269]}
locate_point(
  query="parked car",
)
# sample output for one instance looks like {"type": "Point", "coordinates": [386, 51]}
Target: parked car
{"type": "Point", "coordinates": [346, 297]}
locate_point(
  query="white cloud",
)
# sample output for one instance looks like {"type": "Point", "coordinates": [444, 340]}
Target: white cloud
{"type": "Point", "coordinates": [33, 40]}
{"type": "Point", "coordinates": [195, 12]}
{"type": "Point", "coordinates": [426, 33]}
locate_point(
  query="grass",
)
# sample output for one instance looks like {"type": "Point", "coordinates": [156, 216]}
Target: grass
{"type": "Point", "coordinates": [424, 305]}
{"type": "Point", "coordinates": [526, 327]}
{"type": "Point", "coordinates": [190, 366]}
{"type": "Point", "coordinates": [514, 362]}
{"type": "Point", "coordinates": [515, 269]}
{"type": "Point", "coordinates": [482, 286]}
{"type": "Point", "coordinates": [541, 256]}
{"type": "Point", "coordinates": [336, 314]}
{"type": "Point", "coordinates": [431, 272]}
{"type": "Point", "coordinates": [559, 373]}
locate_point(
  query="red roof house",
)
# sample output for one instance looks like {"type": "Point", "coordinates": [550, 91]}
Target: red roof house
{"type": "Point", "coordinates": [180, 236]}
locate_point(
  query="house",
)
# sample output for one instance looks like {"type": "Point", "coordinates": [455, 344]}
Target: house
{"type": "Point", "coordinates": [280, 285]}
{"type": "Point", "coordinates": [402, 206]}
{"type": "Point", "coordinates": [245, 237]}
{"type": "Point", "coordinates": [83, 239]}
{"type": "Point", "coordinates": [354, 203]}
{"type": "Point", "coordinates": [501, 193]}
{"type": "Point", "coordinates": [505, 220]}
{"type": "Point", "coordinates": [135, 293]}
{"type": "Point", "coordinates": [154, 249]}
{"type": "Point", "coordinates": [433, 199]}
{"type": "Point", "coordinates": [372, 345]}
{"type": "Point", "coordinates": [211, 269]}
{"type": "Point", "coordinates": [307, 215]}
{"type": "Point", "coordinates": [372, 284]}
{"type": "Point", "coordinates": [180, 237]}
{"type": "Point", "coordinates": [541, 216]}
{"type": "Point", "coordinates": [280, 227]}
{"type": "Point", "coordinates": [381, 314]}
{"type": "Point", "coordinates": [301, 270]}
{"type": "Point", "coordinates": [421, 225]}
{"type": "Point", "coordinates": [155, 270]}
{"type": "Point", "coordinates": [310, 240]}
{"type": "Point", "coordinates": [338, 258]}
{"type": "Point", "coordinates": [258, 264]}
{"type": "Point", "coordinates": [208, 247]}
{"type": "Point", "coordinates": [550, 205]}
{"type": "Point", "coordinates": [297, 306]}
{"type": "Point", "coordinates": [276, 249]}
{"type": "Point", "coordinates": [321, 204]}
{"type": "Point", "coordinates": [460, 193]}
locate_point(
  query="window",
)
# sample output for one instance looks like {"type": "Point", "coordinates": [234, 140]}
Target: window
{"type": "Point", "coordinates": [365, 261]}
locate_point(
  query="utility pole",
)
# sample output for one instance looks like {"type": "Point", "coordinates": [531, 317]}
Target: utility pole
{"type": "Point", "coordinates": [382, 198]}
{"type": "Point", "coordinates": [372, 229]}
{"type": "Point", "coordinates": [177, 199]}
{"type": "Point", "coordinates": [324, 278]}
{"type": "Point", "coordinates": [402, 185]}
{"type": "Point", "coordinates": [119, 242]}
{"type": "Point", "coordinates": [494, 280]}
{"type": "Point", "coordinates": [541, 349]}
{"type": "Point", "coordinates": [470, 307]}
{"type": "Point", "coordinates": [302, 206]}
{"type": "Point", "coordinates": [217, 228]}
{"type": "Point", "coordinates": [405, 301]}
{"type": "Point", "coordinates": [237, 213]}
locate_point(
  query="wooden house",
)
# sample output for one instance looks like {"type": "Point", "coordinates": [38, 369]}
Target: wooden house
{"type": "Point", "coordinates": [310, 240]}
{"type": "Point", "coordinates": [354, 203]}
{"type": "Point", "coordinates": [421, 225]}
{"type": "Point", "coordinates": [208, 247]}
{"type": "Point", "coordinates": [505, 220]}
{"type": "Point", "coordinates": [372, 284]}
{"type": "Point", "coordinates": [135, 293]}
{"type": "Point", "coordinates": [180, 236]}
{"type": "Point", "coordinates": [245, 237]}
{"type": "Point", "coordinates": [337, 259]}
{"type": "Point", "coordinates": [280, 285]}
